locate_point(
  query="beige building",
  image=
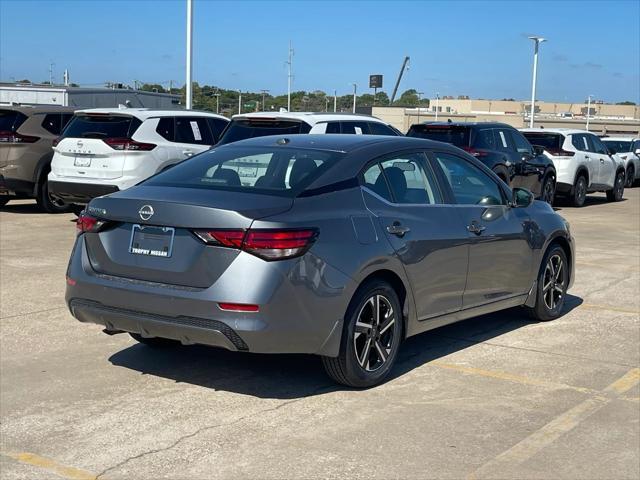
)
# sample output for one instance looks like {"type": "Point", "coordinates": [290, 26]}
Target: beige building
{"type": "Point", "coordinates": [603, 118]}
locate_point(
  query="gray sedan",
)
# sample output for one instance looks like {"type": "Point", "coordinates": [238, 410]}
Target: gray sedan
{"type": "Point", "coordinates": [334, 245]}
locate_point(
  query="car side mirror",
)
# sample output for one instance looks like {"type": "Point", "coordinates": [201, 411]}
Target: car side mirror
{"type": "Point", "coordinates": [637, 152]}
{"type": "Point", "coordinates": [521, 197]}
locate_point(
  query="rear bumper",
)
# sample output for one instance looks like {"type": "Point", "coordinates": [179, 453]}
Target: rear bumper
{"type": "Point", "coordinates": [14, 186]}
{"type": "Point", "coordinates": [71, 192]}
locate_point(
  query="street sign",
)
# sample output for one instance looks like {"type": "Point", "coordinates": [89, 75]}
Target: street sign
{"type": "Point", "coordinates": [375, 81]}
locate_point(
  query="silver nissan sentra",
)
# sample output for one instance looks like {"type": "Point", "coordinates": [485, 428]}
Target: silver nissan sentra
{"type": "Point", "coordinates": [334, 245]}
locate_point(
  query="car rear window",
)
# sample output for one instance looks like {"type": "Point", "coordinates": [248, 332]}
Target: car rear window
{"type": "Point", "coordinates": [455, 134]}
{"type": "Point", "coordinates": [267, 170]}
{"type": "Point", "coordinates": [617, 146]}
{"type": "Point", "coordinates": [101, 126]}
{"type": "Point", "coordinates": [241, 129]}
{"type": "Point", "coordinates": [547, 140]}
{"type": "Point", "coordinates": [10, 120]}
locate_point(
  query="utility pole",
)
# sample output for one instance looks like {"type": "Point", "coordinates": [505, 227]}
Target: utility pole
{"type": "Point", "coordinates": [588, 110]}
{"type": "Point", "coordinates": [217, 95]}
{"type": "Point", "coordinates": [51, 73]}
{"type": "Point", "coordinates": [326, 104]}
{"type": "Point", "coordinates": [289, 75]}
{"type": "Point", "coordinates": [66, 77]}
{"type": "Point", "coordinates": [538, 41]}
{"type": "Point", "coordinates": [264, 92]}
{"type": "Point", "coordinates": [170, 85]}
{"type": "Point", "coordinates": [355, 89]}
{"type": "Point", "coordinates": [189, 85]}
{"type": "Point", "coordinates": [437, 104]}
{"type": "Point", "coordinates": [335, 101]}
{"type": "Point", "coordinates": [419, 95]}
{"type": "Point", "coordinates": [240, 102]}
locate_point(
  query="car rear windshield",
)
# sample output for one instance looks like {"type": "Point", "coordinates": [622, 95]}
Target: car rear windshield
{"type": "Point", "coordinates": [241, 129]}
{"type": "Point", "coordinates": [268, 170]}
{"type": "Point", "coordinates": [617, 146]}
{"type": "Point", "coordinates": [550, 140]}
{"type": "Point", "coordinates": [10, 120]}
{"type": "Point", "coordinates": [454, 134]}
{"type": "Point", "coordinates": [101, 126]}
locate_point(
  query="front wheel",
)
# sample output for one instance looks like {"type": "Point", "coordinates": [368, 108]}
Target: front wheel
{"type": "Point", "coordinates": [615, 194]}
{"type": "Point", "coordinates": [579, 192]}
{"type": "Point", "coordinates": [630, 177]}
{"type": "Point", "coordinates": [553, 281]}
{"type": "Point", "coordinates": [371, 337]}
{"type": "Point", "coordinates": [548, 190]}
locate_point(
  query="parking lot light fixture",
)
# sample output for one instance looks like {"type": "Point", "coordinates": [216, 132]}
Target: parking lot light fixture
{"type": "Point", "coordinates": [538, 41]}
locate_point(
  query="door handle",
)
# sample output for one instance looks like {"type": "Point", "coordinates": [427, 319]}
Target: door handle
{"type": "Point", "coordinates": [188, 153]}
{"type": "Point", "coordinates": [476, 228]}
{"type": "Point", "coordinates": [602, 160]}
{"type": "Point", "coordinates": [397, 229]}
{"type": "Point", "coordinates": [587, 157]}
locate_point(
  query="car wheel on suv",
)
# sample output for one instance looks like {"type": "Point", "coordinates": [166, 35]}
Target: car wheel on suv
{"type": "Point", "coordinates": [615, 194]}
{"type": "Point", "coordinates": [45, 201]}
{"type": "Point", "coordinates": [579, 191]}
{"type": "Point", "coordinates": [548, 190]}
{"type": "Point", "coordinates": [630, 177]}
{"type": "Point", "coordinates": [372, 335]}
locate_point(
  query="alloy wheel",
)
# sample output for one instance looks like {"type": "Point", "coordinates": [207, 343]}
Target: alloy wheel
{"type": "Point", "coordinates": [553, 286]}
{"type": "Point", "coordinates": [373, 335]}
{"type": "Point", "coordinates": [619, 186]}
{"type": "Point", "coordinates": [547, 194]}
{"type": "Point", "coordinates": [581, 190]}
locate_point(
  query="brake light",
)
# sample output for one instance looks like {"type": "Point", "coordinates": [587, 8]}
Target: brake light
{"type": "Point", "coordinates": [238, 307]}
{"type": "Point", "coordinates": [560, 152]}
{"type": "Point", "coordinates": [86, 223]}
{"type": "Point", "coordinates": [55, 142]}
{"type": "Point", "coordinates": [7, 136]}
{"type": "Point", "coordinates": [474, 152]}
{"type": "Point", "coordinates": [128, 144]}
{"type": "Point", "coordinates": [264, 243]}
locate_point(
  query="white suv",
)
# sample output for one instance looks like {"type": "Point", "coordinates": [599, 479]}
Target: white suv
{"type": "Point", "coordinates": [260, 124]}
{"type": "Point", "coordinates": [102, 151]}
{"type": "Point", "coordinates": [628, 149]}
{"type": "Point", "coordinates": [583, 164]}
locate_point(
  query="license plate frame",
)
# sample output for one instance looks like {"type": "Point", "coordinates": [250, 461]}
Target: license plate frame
{"type": "Point", "coordinates": [158, 244]}
{"type": "Point", "coordinates": [82, 162]}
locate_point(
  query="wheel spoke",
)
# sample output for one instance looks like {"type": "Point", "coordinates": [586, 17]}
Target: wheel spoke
{"type": "Point", "coordinates": [362, 327]}
{"type": "Point", "coordinates": [376, 315]}
{"type": "Point", "coordinates": [558, 271]}
{"type": "Point", "coordinates": [547, 286]}
{"type": "Point", "coordinates": [558, 288]}
{"type": "Point", "coordinates": [381, 351]}
{"type": "Point", "coordinates": [387, 323]}
{"type": "Point", "coordinates": [365, 354]}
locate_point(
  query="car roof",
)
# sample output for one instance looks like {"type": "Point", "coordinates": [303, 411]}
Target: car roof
{"type": "Point", "coordinates": [310, 117]}
{"type": "Point", "coordinates": [145, 113]}
{"type": "Point", "coordinates": [33, 109]}
{"type": "Point", "coordinates": [629, 138]}
{"type": "Point", "coordinates": [564, 131]}
{"type": "Point", "coordinates": [465, 124]}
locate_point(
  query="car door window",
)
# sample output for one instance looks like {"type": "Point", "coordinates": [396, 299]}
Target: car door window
{"type": "Point", "coordinates": [410, 179]}
{"type": "Point", "coordinates": [333, 127]}
{"type": "Point", "coordinates": [580, 142]}
{"type": "Point", "coordinates": [355, 128]}
{"type": "Point", "coordinates": [165, 128]}
{"type": "Point", "coordinates": [485, 139]}
{"type": "Point", "coordinates": [521, 143]}
{"type": "Point", "coordinates": [192, 130]}
{"type": "Point", "coordinates": [374, 180]}
{"type": "Point", "coordinates": [216, 126]}
{"type": "Point", "coordinates": [469, 184]}
{"type": "Point", "coordinates": [598, 146]}
{"type": "Point", "coordinates": [503, 140]}
{"type": "Point", "coordinates": [376, 128]}
{"type": "Point", "coordinates": [52, 123]}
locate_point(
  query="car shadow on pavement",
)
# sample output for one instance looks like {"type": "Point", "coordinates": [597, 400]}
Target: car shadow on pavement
{"type": "Point", "coordinates": [22, 207]}
{"type": "Point", "coordinates": [289, 376]}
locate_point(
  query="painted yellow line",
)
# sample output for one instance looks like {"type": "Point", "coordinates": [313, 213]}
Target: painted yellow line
{"type": "Point", "coordinates": [549, 433]}
{"type": "Point", "coordinates": [626, 383]}
{"type": "Point", "coordinates": [593, 306]}
{"type": "Point", "coordinates": [51, 465]}
{"type": "Point", "coordinates": [513, 378]}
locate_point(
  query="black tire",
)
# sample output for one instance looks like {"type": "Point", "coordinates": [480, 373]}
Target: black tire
{"type": "Point", "coordinates": [76, 209]}
{"type": "Point", "coordinates": [44, 200]}
{"type": "Point", "coordinates": [552, 285]}
{"type": "Point", "coordinates": [347, 368]}
{"type": "Point", "coordinates": [548, 190]}
{"type": "Point", "coordinates": [616, 193]}
{"type": "Point", "coordinates": [630, 177]}
{"type": "Point", "coordinates": [579, 194]}
{"type": "Point", "coordinates": [155, 342]}
{"type": "Point", "coordinates": [4, 199]}
{"type": "Point", "coordinates": [503, 173]}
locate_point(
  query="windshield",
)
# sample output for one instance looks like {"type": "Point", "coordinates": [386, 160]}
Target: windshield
{"type": "Point", "coordinates": [454, 134]}
{"type": "Point", "coordinates": [267, 170]}
{"type": "Point", "coordinates": [549, 141]}
{"type": "Point", "coordinates": [101, 126]}
{"type": "Point", "coordinates": [240, 129]}
{"type": "Point", "coordinates": [617, 146]}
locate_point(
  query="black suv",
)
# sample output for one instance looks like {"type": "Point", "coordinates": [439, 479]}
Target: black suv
{"type": "Point", "coordinates": [501, 148]}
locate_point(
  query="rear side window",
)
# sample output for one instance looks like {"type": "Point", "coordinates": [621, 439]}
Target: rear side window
{"type": "Point", "coordinates": [485, 139]}
{"type": "Point", "coordinates": [376, 128]}
{"type": "Point", "coordinates": [333, 127]}
{"type": "Point", "coordinates": [410, 179]}
{"type": "Point", "coordinates": [267, 170]}
{"type": "Point", "coordinates": [166, 128]}
{"type": "Point", "coordinates": [101, 126]}
{"type": "Point", "coordinates": [374, 180]}
{"type": "Point", "coordinates": [52, 123]}
{"type": "Point", "coordinates": [355, 128]}
{"type": "Point", "coordinates": [10, 120]}
{"type": "Point", "coordinates": [549, 141]}
{"type": "Point", "coordinates": [457, 135]}
{"type": "Point", "coordinates": [598, 146]}
{"type": "Point", "coordinates": [243, 128]}
{"type": "Point", "coordinates": [217, 126]}
{"type": "Point", "coordinates": [193, 130]}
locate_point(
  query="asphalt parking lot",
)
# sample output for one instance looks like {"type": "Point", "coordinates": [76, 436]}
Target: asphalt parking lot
{"type": "Point", "coordinates": [493, 397]}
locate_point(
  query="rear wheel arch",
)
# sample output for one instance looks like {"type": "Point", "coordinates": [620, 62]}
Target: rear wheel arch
{"type": "Point", "coordinates": [564, 244]}
{"type": "Point", "coordinates": [398, 286]}
{"type": "Point", "coordinates": [582, 171]}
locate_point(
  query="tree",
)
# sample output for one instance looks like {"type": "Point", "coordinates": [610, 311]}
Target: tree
{"type": "Point", "coordinates": [409, 98]}
{"type": "Point", "coordinates": [626, 102]}
{"type": "Point", "coordinates": [152, 87]}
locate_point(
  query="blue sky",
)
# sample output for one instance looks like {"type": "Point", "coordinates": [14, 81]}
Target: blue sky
{"type": "Point", "coordinates": [476, 48]}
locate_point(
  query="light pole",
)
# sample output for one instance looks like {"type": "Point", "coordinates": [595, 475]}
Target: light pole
{"type": "Point", "coordinates": [188, 86]}
{"type": "Point", "coordinates": [437, 104]}
{"type": "Point", "coordinates": [419, 95]}
{"type": "Point", "coordinates": [355, 89]}
{"type": "Point", "coordinates": [335, 101]}
{"type": "Point", "coordinates": [289, 75]}
{"type": "Point", "coordinates": [239, 102]}
{"type": "Point", "coordinates": [588, 110]}
{"type": "Point", "coordinates": [264, 92]}
{"type": "Point", "coordinates": [538, 41]}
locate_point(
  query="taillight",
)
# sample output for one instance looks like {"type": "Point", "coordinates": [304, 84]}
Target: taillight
{"type": "Point", "coordinates": [86, 223]}
{"type": "Point", "coordinates": [55, 142]}
{"type": "Point", "coordinates": [7, 136]}
{"type": "Point", "coordinates": [128, 144]}
{"type": "Point", "coordinates": [474, 152]}
{"type": "Point", "coordinates": [560, 153]}
{"type": "Point", "coordinates": [264, 243]}
{"type": "Point", "coordinates": [239, 307]}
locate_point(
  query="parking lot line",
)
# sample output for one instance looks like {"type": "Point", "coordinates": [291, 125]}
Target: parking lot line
{"type": "Point", "coordinates": [51, 465]}
{"type": "Point", "coordinates": [610, 308]}
{"type": "Point", "coordinates": [549, 433]}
